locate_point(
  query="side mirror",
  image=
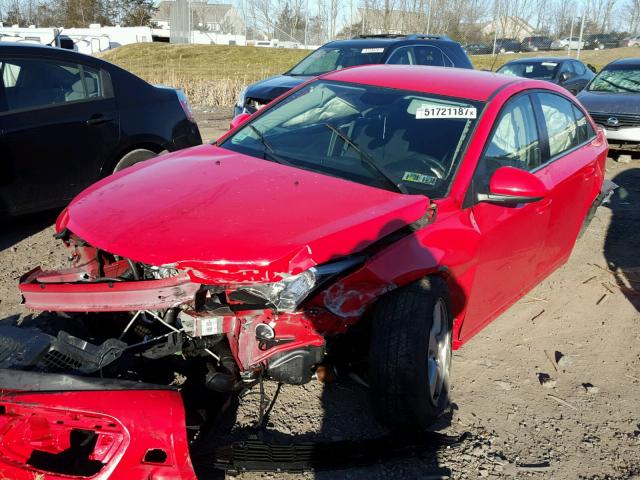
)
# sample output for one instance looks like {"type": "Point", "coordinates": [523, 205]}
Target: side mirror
{"type": "Point", "coordinates": [510, 186]}
{"type": "Point", "coordinates": [239, 120]}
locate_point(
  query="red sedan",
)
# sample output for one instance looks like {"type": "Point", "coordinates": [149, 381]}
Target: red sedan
{"type": "Point", "coordinates": [384, 213]}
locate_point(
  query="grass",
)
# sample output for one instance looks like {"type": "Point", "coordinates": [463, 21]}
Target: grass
{"type": "Point", "coordinates": [213, 75]}
{"type": "Point", "coordinates": [209, 74]}
{"type": "Point", "coordinates": [597, 58]}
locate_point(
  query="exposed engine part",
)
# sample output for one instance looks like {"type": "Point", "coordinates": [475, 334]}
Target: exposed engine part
{"type": "Point", "coordinates": [197, 324]}
{"type": "Point", "coordinates": [225, 378]}
{"type": "Point", "coordinates": [294, 366]}
{"type": "Point", "coordinates": [22, 348]}
{"type": "Point", "coordinates": [265, 332]}
{"type": "Point", "coordinates": [159, 273]}
{"type": "Point", "coordinates": [171, 327]}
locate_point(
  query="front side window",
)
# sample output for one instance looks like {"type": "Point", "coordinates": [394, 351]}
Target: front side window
{"type": "Point", "coordinates": [616, 80]}
{"type": "Point", "coordinates": [515, 141]}
{"type": "Point", "coordinates": [36, 83]}
{"type": "Point", "coordinates": [387, 138]}
{"type": "Point", "coordinates": [560, 121]}
{"type": "Point", "coordinates": [328, 59]}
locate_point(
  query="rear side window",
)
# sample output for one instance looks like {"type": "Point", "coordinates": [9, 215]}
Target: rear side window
{"type": "Point", "coordinates": [560, 122]}
{"type": "Point", "coordinates": [515, 141]}
{"type": "Point", "coordinates": [420, 55]}
{"type": "Point", "coordinates": [36, 83]}
{"type": "Point", "coordinates": [579, 68]}
{"type": "Point", "coordinates": [431, 55]}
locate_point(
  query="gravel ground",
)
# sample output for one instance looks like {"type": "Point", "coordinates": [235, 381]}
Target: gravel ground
{"type": "Point", "coordinates": [548, 390]}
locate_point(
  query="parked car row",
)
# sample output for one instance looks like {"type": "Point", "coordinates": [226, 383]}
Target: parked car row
{"type": "Point", "coordinates": [597, 41]}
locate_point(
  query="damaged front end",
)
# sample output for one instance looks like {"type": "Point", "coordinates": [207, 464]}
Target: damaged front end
{"type": "Point", "coordinates": [125, 311]}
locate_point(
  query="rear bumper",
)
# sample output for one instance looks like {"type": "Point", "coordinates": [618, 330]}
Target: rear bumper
{"type": "Point", "coordinates": [61, 426]}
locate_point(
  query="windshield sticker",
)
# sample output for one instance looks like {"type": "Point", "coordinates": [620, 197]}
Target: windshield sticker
{"type": "Point", "coordinates": [425, 112]}
{"type": "Point", "coordinates": [528, 69]}
{"type": "Point", "coordinates": [372, 50]}
{"type": "Point", "coordinates": [419, 178]}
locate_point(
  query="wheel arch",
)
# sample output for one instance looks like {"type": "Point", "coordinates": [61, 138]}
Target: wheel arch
{"type": "Point", "coordinates": [153, 145]}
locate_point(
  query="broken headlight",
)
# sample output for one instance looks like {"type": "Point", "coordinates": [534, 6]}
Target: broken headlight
{"type": "Point", "coordinates": [287, 294]}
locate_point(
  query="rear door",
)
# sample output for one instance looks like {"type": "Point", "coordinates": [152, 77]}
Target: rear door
{"type": "Point", "coordinates": [59, 126]}
{"type": "Point", "coordinates": [511, 238]}
{"type": "Point", "coordinates": [570, 172]}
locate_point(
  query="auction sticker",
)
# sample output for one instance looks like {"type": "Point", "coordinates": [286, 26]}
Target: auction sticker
{"type": "Point", "coordinates": [419, 178]}
{"type": "Point", "coordinates": [372, 50]}
{"type": "Point", "coordinates": [426, 111]}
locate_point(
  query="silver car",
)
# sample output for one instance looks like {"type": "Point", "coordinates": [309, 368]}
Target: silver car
{"type": "Point", "coordinates": [567, 42]}
{"type": "Point", "coordinates": [613, 100]}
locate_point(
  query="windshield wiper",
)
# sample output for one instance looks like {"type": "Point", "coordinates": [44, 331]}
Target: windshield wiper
{"type": "Point", "coordinates": [366, 158]}
{"type": "Point", "coordinates": [267, 146]}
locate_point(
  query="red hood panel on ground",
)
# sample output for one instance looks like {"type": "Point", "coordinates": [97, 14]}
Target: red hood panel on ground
{"type": "Point", "coordinates": [232, 217]}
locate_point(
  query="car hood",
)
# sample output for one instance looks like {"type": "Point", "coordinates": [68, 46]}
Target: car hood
{"type": "Point", "coordinates": [273, 87]}
{"type": "Point", "coordinates": [231, 218]}
{"type": "Point", "coordinates": [605, 102]}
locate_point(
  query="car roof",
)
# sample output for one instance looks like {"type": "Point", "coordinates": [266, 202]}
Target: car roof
{"type": "Point", "coordinates": [631, 61]}
{"type": "Point", "coordinates": [455, 82]}
{"type": "Point", "coordinates": [20, 48]}
{"type": "Point", "coordinates": [386, 40]}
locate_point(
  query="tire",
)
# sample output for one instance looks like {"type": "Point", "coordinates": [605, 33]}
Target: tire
{"type": "Point", "coordinates": [410, 355]}
{"type": "Point", "coordinates": [588, 218]}
{"type": "Point", "coordinates": [134, 156]}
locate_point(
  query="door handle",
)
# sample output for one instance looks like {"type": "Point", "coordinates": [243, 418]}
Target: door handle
{"type": "Point", "coordinates": [98, 119]}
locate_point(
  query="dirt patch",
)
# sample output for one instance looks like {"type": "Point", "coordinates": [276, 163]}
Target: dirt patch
{"type": "Point", "coordinates": [548, 390]}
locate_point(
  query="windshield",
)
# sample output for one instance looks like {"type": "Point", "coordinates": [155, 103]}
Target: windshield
{"type": "Point", "coordinates": [327, 59]}
{"type": "Point", "coordinates": [537, 70]}
{"type": "Point", "coordinates": [616, 81]}
{"type": "Point", "coordinates": [387, 138]}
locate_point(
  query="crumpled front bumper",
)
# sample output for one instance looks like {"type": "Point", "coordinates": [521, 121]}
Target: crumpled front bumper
{"type": "Point", "coordinates": [57, 426]}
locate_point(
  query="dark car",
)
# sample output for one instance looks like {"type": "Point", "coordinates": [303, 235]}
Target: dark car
{"type": "Point", "coordinates": [613, 100]}
{"type": "Point", "coordinates": [479, 48]}
{"type": "Point", "coordinates": [433, 50]}
{"type": "Point", "coordinates": [600, 41]}
{"type": "Point", "coordinates": [533, 44]}
{"type": "Point", "coordinates": [567, 72]}
{"type": "Point", "coordinates": [503, 45]}
{"type": "Point", "coordinates": [68, 119]}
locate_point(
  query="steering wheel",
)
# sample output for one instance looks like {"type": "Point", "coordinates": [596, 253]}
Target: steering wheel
{"type": "Point", "coordinates": [430, 163]}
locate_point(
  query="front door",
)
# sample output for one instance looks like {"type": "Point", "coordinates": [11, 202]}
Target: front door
{"type": "Point", "coordinates": [511, 238]}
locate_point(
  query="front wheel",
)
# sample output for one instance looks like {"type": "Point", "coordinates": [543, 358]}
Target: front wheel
{"type": "Point", "coordinates": [410, 355]}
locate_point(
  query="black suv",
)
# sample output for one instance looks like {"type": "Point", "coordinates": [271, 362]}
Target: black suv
{"type": "Point", "coordinates": [435, 50]}
{"type": "Point", "coordinates": [600, 41]}
{"type": "Point", "coordinates": [68, 119]}
{"type": "Point", "coordinates": [534, 44]}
